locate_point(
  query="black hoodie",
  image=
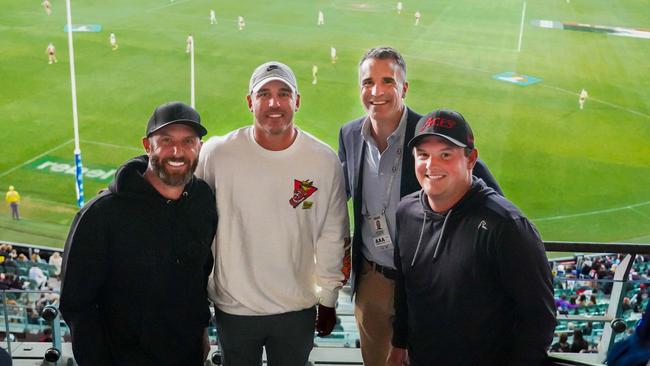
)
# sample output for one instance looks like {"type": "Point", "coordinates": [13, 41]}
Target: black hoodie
{"type": "Point", "coordinates": [474, 286]}
{"type": "Point", "coordinates": [135, 272]}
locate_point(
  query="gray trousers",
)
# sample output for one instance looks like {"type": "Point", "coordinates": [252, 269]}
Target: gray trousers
{"type": "Point", "coordinates": [14, 211]}
{"type": "Point", "coordinates": [288, 338]}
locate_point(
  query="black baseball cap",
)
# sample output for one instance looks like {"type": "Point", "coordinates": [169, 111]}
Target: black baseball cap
{"type": "Point", "coordinates": [175, 112]}
{"type": "Point", "coordinates": [447, 124]}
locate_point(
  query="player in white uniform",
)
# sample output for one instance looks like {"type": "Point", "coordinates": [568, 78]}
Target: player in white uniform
{"type": "Point", "coordinates": [240, 22]}
{"type": "Point", "coordinates": [48, 7]}
{"type": "Point", "coordinates": [418, 15]}
{"type": "Point", "coordinates": [400, 6]}
{"type": "Point", "coordinates": [113, 41]}
{"type": "Point", "coordinates": [51, 54]}
{"type": "Point", "coordinates": [583, 97]}
{"type": "Point", "coordinates": [190, 43]}
{"type": "Point", "coordinates": [213, 17]}
{"type": "Point", "coordinates": [333, 54]}
{"type": "Point", "coordinates": [314, 74]}
{"type": "Point", "coordinates": [321, 18]}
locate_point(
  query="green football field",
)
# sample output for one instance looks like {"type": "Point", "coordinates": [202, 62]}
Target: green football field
{"type": "Point", "coordinates": [581, 175]}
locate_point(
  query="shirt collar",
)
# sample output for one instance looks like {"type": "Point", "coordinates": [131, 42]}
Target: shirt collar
{"type": "Point", "coordinates": [395, 136]}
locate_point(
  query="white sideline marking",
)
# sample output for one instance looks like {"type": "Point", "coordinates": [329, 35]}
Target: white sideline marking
{"type": "Point", "coordinates": [521, 27]}
{"type": "Point", "coordinates": [106, 144]}
{"type": "Point", "coordinates": [34, 158]}
{"type": "Point", "coordinates": [69, 205]}
{"type": "Point", "coordinates": [598, 101]}
{"type": "Point", "coordinates": [168, 5]}
{"type": "Point", "coordinates": [542, 84]}
{"type": "Point", "coordinates": [640, 212]}
{"type": "Point", "coordinates": [597, 212]}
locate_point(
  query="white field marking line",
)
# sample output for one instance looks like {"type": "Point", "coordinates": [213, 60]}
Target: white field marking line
{"type": "Point", "coordinates": [628, 240]}
{"type": "Point", "coordinates": [598, 101]}
{"type": "Point", "coordinates": [106, 144]}
{"type": "Point", "coordinates": [521, 27]}
{"type": "Point", "coordinates": [168, 5]}
{"type": "Point", "coordinates": [455, 65]}
{"type": "Point", "coordinates": [34, 158]}
{"type": "Point", "coordinates": [596, 212]}
{"type": "Point", "coordinates": [69, 205]}
{"type": "Point", "coordinates": [640, 212]}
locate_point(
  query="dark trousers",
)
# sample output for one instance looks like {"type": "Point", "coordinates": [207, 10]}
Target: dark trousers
{"type": "Point", "coordinates": [287, 337]}
{"type": "Point", "coordinates": [14, 211]}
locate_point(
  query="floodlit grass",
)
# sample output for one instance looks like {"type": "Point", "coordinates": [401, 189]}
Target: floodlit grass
{"type": "Point", "coordinates": [580, 175]}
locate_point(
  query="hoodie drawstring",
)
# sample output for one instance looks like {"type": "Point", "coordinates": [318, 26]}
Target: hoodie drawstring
{"type": "Point", "coordinates": [442, 231]}
{"type": "Point", "coordinates": [417, 248]}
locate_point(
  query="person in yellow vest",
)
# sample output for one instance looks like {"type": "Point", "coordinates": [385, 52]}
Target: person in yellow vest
{"type": "Point", "coordinates": [13, 199]}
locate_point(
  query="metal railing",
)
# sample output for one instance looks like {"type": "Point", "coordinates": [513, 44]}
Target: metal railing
{"type": "Point", "coordinates": [612, 319]}
{"type": "Point", "coordinates": [16, 320]}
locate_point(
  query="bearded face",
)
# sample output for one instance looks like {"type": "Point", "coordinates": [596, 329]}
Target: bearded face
{"type": "Point", "coordinates": [173, 154]}
{"type": "Point", "coordinates": [162, 167]}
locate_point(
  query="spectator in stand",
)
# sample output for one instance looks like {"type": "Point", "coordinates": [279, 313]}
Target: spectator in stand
{"type": "Point", "coordinates": [5, 283]}
{"type": "Point", "coordinates": [284, 229]}
{"type": "Point", "coordinates": [32, 316]}
{"type": "Point", "coordinates": [14, 282]}
{"type": "Point", "coordinates": [5, 249]}
{"type": "Point", "coordinates": [457, 235]}
{"type": "Point", "coordinates": [46, 336]}
{"type": "Point", "coordinates": [38, 256]}
{"type": "Point", "coordinates": [626, 304]}
{"type": "Point", "coordinates": [35, 258]}
{"type": "Point", "coordinates": [637, 301]}
{"type": "Point", "coordinates": [582, 300]}
{"type": "Point", "coordinates": [153, 227]}
{"type": "Point", "coordinates": [22, 258]}
{"type": "Point", "coordinates": [37, 276]}
{"type": "Point", "coordinates": [592, 300]}
{"type": "Point", "coordinates": [579, 343]}
{"type": "Point", "coordinates": [562, 345]}
{"type": "Point", "coordinates": [10, 265]}
{"type": "Point", "coordinates": [563, 305]}
{"type": "Point", "coordinates": [56, 260]}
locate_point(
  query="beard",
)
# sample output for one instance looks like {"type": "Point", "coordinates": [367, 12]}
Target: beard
{"type": "Point", "coordinates": [173, 179]}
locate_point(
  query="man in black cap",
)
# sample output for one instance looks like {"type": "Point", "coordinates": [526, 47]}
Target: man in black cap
{"type": "Point", "coordinates": [473, 285]}
{"type": "Point", "coordinates": [138, 255]}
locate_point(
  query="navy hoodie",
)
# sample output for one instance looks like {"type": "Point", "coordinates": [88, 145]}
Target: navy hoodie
{"type": "Point", "coordinates": [474, 286]}
{"type": "Point", "coordinates": [135, 272]}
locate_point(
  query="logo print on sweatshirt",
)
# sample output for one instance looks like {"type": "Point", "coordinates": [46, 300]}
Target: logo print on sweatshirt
{"type": "Point", "coordinates": [302, 189]}
{"type": "Point", "coordinates": [482, 225]}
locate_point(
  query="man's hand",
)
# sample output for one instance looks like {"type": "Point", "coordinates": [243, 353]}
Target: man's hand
{"type": "Point", "coordinates": [206, 344]}
{"type": "Point", "coordinates": [397, 357]}
{"type": "Point", "coordinates": [325, 320]}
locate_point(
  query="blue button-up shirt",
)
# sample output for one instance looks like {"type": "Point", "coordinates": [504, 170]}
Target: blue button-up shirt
{"type": "Point", "coordinates": [378, 169]}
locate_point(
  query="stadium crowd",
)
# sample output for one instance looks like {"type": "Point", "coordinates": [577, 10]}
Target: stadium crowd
{"type": "Point", "coordinates": [582, 286]}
